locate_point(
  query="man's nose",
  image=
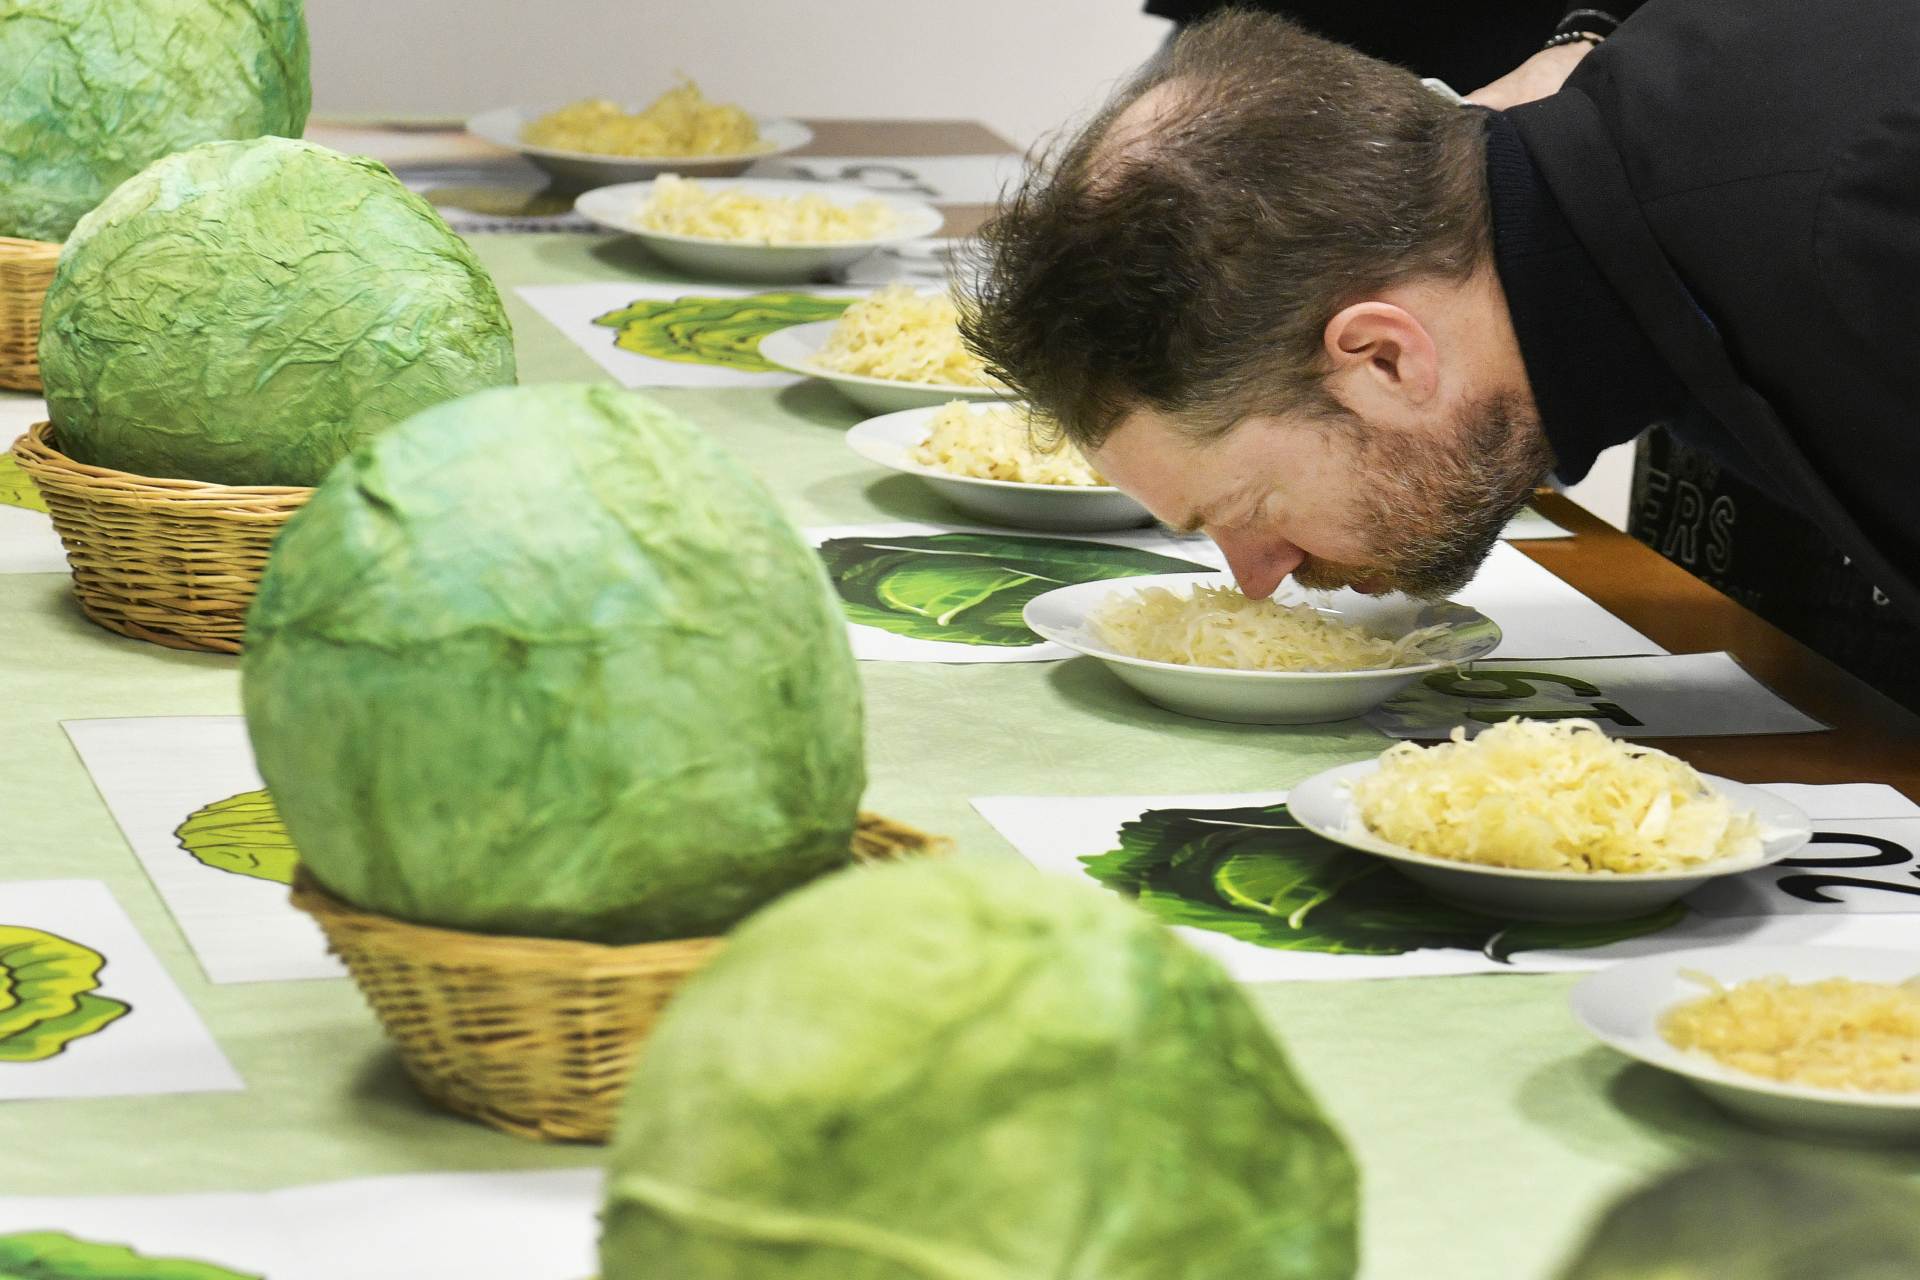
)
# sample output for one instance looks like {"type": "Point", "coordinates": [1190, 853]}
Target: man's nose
{"type": "Point", "coordinates": [1259, 562]}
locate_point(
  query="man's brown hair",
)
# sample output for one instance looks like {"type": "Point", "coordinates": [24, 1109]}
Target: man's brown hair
{"type": "Point", "coordinates": [1189, 261]}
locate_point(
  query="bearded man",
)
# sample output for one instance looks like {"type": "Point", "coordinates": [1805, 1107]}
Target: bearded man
{"type": "Point", "coordinates": [1282, 293]}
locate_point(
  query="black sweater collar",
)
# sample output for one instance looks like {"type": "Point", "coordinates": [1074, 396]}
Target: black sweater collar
{"type": "Point", "coordinates": [1596, 379]}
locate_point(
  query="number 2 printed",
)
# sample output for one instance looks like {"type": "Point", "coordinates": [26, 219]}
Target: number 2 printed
{"type": "Point", "coordinates": [1813, 888]}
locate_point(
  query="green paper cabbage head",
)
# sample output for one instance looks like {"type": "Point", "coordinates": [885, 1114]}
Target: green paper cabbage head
{"type": "Point", "coordinates": [55, 1255]}
{"type": "Point", "coordinates": [546, 661]}
{"type": "Point", "coordinates": [93, 91]}
{"type": "Point", "coordinates": [1748, 1219]}
{"type": "Point", "coordinates": [249, 312]}
{"type": "Point", "coordinates": [960, 1070]}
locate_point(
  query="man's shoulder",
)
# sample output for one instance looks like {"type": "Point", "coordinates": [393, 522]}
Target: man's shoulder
{"type": "Point", "coordinates": [1766, 131]}
{"type": "Point", "coordinates": [1865, 249]}
{"type": "Point", "coordinates": [1697, 94]}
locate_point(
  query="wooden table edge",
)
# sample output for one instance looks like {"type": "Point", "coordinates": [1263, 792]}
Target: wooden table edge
{"type": "Point", "coordinates": [1873, 738]}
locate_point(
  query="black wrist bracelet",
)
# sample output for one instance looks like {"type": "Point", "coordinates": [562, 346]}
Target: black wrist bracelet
{"type": "Point", "coordinates": [1571, 37]}
{"type": "Point", "coordinates": [1589, 24]}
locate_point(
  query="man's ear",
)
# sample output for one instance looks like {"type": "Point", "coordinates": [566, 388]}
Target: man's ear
{"type": "Point", "coordinates": [1381, 355]}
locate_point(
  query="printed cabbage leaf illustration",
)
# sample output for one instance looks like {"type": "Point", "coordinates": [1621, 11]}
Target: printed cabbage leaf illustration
{"type": "Point", "coordinates": [724, 332]}
{"type": "Point", "coordinates": [969, 588]}
{"type": "Point", "coordinates": [242, 834]}
{"type": "Point", "coordinates": [1258, 875]}
{"type": "Point", "coordinates": [17, 488]}
{"type": "Point", "coordinates": [47, 999]}
{"type": "Point", "coordinates": [54, 1255]}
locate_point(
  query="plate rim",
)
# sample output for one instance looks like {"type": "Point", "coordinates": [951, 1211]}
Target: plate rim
{"type": "Point", "coordinates": [1066, 640]}
{"type": "Point", "coordinates": [802, 136]}
{"type": "Point", "coordinates": [1700, 1067]}
{"type": "Point", "coordinates": [830, 375]}
{"type": "Point", "coordinates": [858, 434]}
{"type": "Point", "coordinates": [929, 217]}
{"type": "Point", "coordinates": [1329, 779]}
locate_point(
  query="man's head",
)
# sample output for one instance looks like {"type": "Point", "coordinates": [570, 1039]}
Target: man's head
{"type": "Point", "coordinates": [1257, 289]}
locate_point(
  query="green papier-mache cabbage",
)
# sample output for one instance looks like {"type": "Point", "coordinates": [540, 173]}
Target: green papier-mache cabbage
{"type": "Point", "coordinates": [1748, 1219]}
{"type": "Point", "coordinates": [249, 312]}
{"type": "Point", "coordinates": [93, 91]}
{"type": "Point", "coordinates": [960, 1070]}
{"type": "Point", "coordinates": [546, 661]}
{"type": "Point", "coordinates": [55, 1255]}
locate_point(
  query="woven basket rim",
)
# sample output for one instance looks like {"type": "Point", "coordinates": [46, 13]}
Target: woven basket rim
{"type": "Point", "coordinates": [432, 944]}
{"type": "Point", "coordinates": [21, 247]}
{"type": "Point", "coordinates": [36, 449]}
{"type": "Point", "coordinates": [439, 945]}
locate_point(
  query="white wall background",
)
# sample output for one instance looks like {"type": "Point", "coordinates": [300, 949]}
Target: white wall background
{"type": "Point", "coordinates": [1608, 489]}
{"type": "Point", "coordinates": [1023, 67]}
{"type": "Point", "coordinates": [1020, 66]}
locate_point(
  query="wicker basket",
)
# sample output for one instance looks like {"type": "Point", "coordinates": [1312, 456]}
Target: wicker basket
{"type": "Point", "coordinates": [534, 1036]}
{"type": "Point", "coordinates": [26, 269]}
{"type": "Point", "coordinates": [175, 562]}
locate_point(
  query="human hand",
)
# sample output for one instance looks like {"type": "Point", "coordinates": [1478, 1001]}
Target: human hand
{"type": "Point", "coordinates": [1538, 77]}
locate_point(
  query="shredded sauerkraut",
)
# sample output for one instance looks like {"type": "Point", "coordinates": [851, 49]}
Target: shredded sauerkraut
{"type": "Point", "coordinates": [680, 122]}
{"type": "Point", "coordinates": [683, 207]}
{"type": "Point", "coordinates": [1551, 796]}
{"type": "Point", "coordinates": [904, 335]}
{"type": "Point", "coordinates": [996, 442]}
{"type": "Point", "coordinates": [1220, 627]}
{"type": "Point", "coordinates": [1837, 1033]}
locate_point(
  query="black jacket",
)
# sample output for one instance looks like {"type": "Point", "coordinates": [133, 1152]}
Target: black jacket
{"type": "Point", "coordinates": [1746, 175]}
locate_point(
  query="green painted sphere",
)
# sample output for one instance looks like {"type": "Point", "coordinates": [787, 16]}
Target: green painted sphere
{"type": "Point", "coordinates": [93, 91]}
{"type": "Point", "coordinates": [960, 1069]}
{"type": "Point", "coordinates": [546, 661]}
{"type": "Point", "coordinates": [249, 312]}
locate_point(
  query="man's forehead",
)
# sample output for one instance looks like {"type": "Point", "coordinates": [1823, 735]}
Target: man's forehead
{"type": "Point", "coordinates": [1159, 464]}
{"type": "Point", "coordinates": [1135, 427]}
{"type": "Point", "coordinates": [1144, 426]}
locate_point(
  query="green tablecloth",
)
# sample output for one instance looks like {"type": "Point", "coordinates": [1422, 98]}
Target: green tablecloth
{"type": "Point", "coordinates": [1488, 1128]}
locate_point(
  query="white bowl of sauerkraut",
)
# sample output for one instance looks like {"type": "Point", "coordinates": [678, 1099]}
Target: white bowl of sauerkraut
{"type": "Point", "coordinates": [1549, 820]}
{"type": "Point", "coordinates": [897, 348]}
{"type": "Point", "coordinates": [759, 229]}
{"type": "Point", "coordinates": [1803, 1038]}
{"type": "Point", "coordinates": [595, 159]}
{"type": "Point", "coordinates": [986, 460]}
{"type": "Point", "coordinates": [1192, 643]}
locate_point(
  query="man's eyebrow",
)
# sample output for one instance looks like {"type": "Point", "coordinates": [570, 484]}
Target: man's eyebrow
{"type": "Point", "coordinates": [1209, 511]}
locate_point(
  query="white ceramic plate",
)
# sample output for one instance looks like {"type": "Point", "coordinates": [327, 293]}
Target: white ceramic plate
{"type": "Point", "coordinates": [1324, 805]}
{"type": "Point", "coordinates": [616, 208]}
{"type": "Point", "coordinates": [1264, 697]}
{"type": "Point", "coordinates": [578, 170]}
{"type": "Point", "coordinates": [1622, 1007]}
{"type": "Point", "coordinates": [795, 347]}
{"type": "Point", "coordinates": [889, 441]}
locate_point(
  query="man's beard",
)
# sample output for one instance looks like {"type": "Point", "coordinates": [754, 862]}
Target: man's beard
{"type": "Point", "coordinates": [1432, 508]}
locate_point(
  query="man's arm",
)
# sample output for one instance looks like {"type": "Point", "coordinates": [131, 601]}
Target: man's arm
{"type": "Point", "coordinates": [1542, 75]}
